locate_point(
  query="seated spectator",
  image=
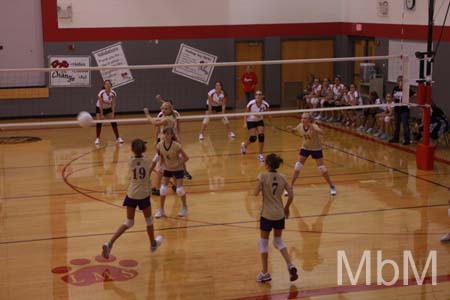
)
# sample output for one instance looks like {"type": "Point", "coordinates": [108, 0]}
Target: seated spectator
{"type": "Point", "coordinates": [369, 114]}
{"type": "Point", "coordinates": [385, 118]}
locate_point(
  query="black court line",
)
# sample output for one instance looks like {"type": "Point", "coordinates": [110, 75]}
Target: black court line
{"type": "Point", "coordinates": [235, 223]}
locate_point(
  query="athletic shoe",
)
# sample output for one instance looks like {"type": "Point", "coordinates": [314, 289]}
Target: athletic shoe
{"type": "Point", "coordinates": [293, 273]}
{"type": "Point", "coordinates": [174, 188]}
{"type": "Point", "coordinates": [330, 119]}
{"type": "Point", "coordinates": [243, 148]}
{"type": "Point", "coordinates": [155, 192]}
{"type": "Point", "coordinates": [332, 190]}
{"type": "Point", "coordinates": [317, 117]}
{"type": "Point", "coordinates": [445, 238]}
{"type": "Point", "coordinates": [187, 175]}
{"type": "Point", "coordinates": [106, 249]}
{"type": "Point", "coordinates": [261, 157]}
{"type": "Point", "coordinates": [263, 277]}
{"type": "Point", "coordinates": [362, 128]}
{"type": "Point", "coordinates": [119, 140]}
{"type": "Point", "coordinates": [160, 213]}
{"type": "Point", "coordinates": [97, 141]}
{"type": "Point", "coordinates": [183, 211]}
{"type": "Point", "coordinates": [200, 136]}
{"type": "Point", "coordinates": [378, 134]}
{"type": "Point", "coordinates": [369, 130]}
{"type": "Point", "coordinates": [158, 242]}
{"type": "Point", "coordinates": [231, 135]}
{"type": "Point", "coordinates": [384, 136]}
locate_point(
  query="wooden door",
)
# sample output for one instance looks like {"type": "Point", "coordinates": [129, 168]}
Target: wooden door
{"type": "Point", "coordinates": [294, 76]}
{"type": "Point", "coordinates": [248, 51]}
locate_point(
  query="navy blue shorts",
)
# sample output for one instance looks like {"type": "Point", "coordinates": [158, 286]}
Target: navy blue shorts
{"type": "Point", "coordinates": [106, 111]}
{"type": "Point", "coordinates": [142, 203]}
{"type": "Point", "coordinates": [256, 124]}
{"type": "Point", "coordinates": [177, 174]}
{"type": "Point", "coordinates": [267, 225]}
{"type": "Point", "coordinates": [217, 109]}
{"type": "Point", "coordinates": [315, 154]}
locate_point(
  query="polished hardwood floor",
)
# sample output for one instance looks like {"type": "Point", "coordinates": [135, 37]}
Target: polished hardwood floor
{"type": "Point", "coordinates": [60, 199]}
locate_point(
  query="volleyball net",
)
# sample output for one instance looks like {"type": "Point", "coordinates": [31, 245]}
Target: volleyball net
{"type": "Point", "coordinates": [328, 88]}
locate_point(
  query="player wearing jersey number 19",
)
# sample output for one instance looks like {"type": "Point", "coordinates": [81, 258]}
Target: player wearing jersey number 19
{"type": "Point", "coordinates": [272, 184]}
{"type": "Point", "coordinates": [311, 133]}
{"type": "Point", "coordinates": [138, 195]}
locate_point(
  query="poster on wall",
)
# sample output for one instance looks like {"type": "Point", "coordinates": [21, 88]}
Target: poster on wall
{"type": "Point", "coordinates": [113, 55]}
{"type": "Point", "coordinates": [66, 78]}
{"type": "Point", "coordinates": [190, 55]}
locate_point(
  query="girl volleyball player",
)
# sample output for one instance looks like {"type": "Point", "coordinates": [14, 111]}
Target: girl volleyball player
{"type": "Point", "coordinates": [106, 108]}
{"type": "Point", "coordinates": [255, 124]}
{"type": "Point", "coordinates": [217, 102]}
{"type": "Point", "coordinates": [311, 133]}
{"type": "Point", "coordinates": [273, 214]}
{"type": "Point", "coordinates": [172, 158]}
{"type": "Point", "coordinates": [138, 195]}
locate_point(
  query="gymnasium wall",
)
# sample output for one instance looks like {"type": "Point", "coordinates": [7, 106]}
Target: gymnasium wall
{"type": "Point", "coordinates": [140, 45]}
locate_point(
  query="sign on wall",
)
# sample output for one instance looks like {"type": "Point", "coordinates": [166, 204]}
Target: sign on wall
{"type": "Point", "coordinates": [113, 55]}
{"type": "Point", "coordinates": [190, 55]}
{"type": "Point", "coordinates": [67, 78]}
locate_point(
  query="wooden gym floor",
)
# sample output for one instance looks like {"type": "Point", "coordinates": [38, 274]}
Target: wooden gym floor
{"type": "Point", "coordinates": [61, 199]}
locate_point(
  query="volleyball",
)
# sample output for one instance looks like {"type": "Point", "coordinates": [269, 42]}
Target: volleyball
{"type": "Point", "coordinates": [84, 119]}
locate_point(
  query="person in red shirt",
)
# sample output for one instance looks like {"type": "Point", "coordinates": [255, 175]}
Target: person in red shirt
{"type": "Point", "coordinates": [249, 81]}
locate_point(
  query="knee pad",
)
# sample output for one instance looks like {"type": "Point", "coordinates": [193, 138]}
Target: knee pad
{"type": "Point", "coordinates": [322, 169]}
{"type": "Point", "coordinates": [225, 121]}
{"type": "Point", "coordinates": [205, 121]}
{"type": "Point", "coordinates": [114, 124]}
{"type": "Point", "coordinates": [180, 191]}
{"type": "Point", "coordinates": [298, 166]}
{"type": "Point", "coordinates": [261, 137]}
{"type": "Point", "coordinates": [252, 138]}
{"type": "Point", "coordinates": [163, 190]}
{"type": "Point", "coordinates": [278, 243]}
{"type": "Point", "coordinates": [98, 125]}
{"type": "Point", "coordinates": [149, 221]}
{"type": "Point", "coordinates": [129, 223]}
{"type": "Point", "coordinates": [263, 245]}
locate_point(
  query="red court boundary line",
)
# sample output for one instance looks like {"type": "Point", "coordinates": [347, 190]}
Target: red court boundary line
{"type": "Point", "coordinates": [345, 289]}
{"type": "Point", "coordinates": [378, 141]}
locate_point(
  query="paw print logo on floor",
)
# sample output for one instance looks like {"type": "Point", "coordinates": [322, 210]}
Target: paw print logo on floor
{"type": "Point", "coordinates": [85, 273]}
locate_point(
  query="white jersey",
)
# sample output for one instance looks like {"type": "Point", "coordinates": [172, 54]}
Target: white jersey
{"type": "Point", "coordinates": [176, 114]}
{"type": "Point", "coordinates": [337, 90]}
{"type": "Point", "coordinates": [253, 107]}
{"type": "Point", "coordinates": [106, 98]}
{"type": "Point", "coordinates": [355, 95]}
{"type": "Point", "coordinates": [217, 99]}
{"type": "Point", "coordinates": [316, 89]}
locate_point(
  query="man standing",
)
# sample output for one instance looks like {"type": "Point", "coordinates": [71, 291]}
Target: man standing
{"type": "Point", "coordinates": [249, 81]}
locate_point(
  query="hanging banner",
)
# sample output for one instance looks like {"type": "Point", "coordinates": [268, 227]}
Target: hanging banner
{"type": "Point", "coordinates": [189, 55]}
{"type": "Point", "coordinates": [113, 56]}
{"type": "Point", "coordinates": [67, 78]}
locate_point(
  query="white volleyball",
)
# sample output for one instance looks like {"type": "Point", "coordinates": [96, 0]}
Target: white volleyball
{"type": "Point", "coordinates": [84, 119]}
